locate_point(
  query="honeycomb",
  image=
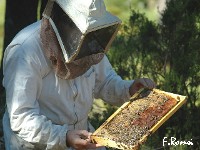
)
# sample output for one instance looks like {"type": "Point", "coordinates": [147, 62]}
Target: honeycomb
{"type": "Point", "coordinates": [132, 123]}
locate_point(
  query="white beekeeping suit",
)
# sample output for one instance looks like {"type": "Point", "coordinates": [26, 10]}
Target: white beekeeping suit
{"type": "Point", "coordinates": [53, 70]}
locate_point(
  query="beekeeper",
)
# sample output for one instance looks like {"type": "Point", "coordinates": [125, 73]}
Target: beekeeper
{"type": "Point", "coordinates": [53, 70]}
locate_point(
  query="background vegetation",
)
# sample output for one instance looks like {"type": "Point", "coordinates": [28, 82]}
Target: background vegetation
{"type": "Point", "coordinates": [168, 51]}
{"type": "Point", "coordinates": [164, 46]}
{"type": "Point", "coordinates": [2, 14]}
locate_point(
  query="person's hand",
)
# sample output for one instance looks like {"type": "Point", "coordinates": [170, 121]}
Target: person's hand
{"type": "Point", "coordinates": [141, 83]}
{"type": "Point", "coordinates": [80, 140]}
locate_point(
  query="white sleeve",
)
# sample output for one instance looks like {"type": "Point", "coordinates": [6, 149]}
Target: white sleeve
{"type": "Point", "coordinates": [109, 86]}
{"type": "Point", "coordinates": [23, 83]}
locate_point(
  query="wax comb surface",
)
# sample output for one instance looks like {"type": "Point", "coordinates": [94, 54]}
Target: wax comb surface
{"type": "Point", "coordinates": [133, 122]}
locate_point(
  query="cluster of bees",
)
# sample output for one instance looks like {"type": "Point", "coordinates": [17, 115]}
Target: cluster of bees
{"type": "Point", "coordinates": [136, 119]}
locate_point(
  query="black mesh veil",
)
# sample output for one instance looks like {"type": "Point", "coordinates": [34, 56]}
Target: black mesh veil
{"type": "Point", "coordinates": [75, 43]}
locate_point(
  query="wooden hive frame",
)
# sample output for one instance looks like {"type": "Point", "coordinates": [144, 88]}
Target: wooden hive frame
{"type": "Point", "coordinates": [110, 143]}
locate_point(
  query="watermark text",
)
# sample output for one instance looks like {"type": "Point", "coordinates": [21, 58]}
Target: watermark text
{"type": "Point", "coordinates": [174, 142]}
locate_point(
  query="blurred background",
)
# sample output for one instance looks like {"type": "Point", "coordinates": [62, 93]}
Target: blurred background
{"type": "Point", "coordinates": [159, 39]}
{"type": "Point", "coordinates": [2, 15]}
{"type": "Point", "coordinates": [120, 8]}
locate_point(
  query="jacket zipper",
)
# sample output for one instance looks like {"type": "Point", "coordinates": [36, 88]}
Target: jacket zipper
{"type": "Point", "coordinates": [75, 92]}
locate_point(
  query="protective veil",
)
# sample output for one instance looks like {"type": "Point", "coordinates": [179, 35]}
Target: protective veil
{"type": "Point", "coordinates": [76, 34]}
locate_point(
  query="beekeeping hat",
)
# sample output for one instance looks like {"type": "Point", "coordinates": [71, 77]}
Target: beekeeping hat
{"type": "Point", "coordinates": [82, 27]}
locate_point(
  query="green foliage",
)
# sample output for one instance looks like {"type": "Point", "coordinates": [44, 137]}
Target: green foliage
{"type": "Point", "coordinates": [134, 48]}
{"type": "Point", "coordinates": [100, 111]}
{"type": "Point", "coordinates": [2, 12]}
{"type": "Point", "coordinates": [122, 8]}
{"type": "Point", "coordinates": [169, 53]}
